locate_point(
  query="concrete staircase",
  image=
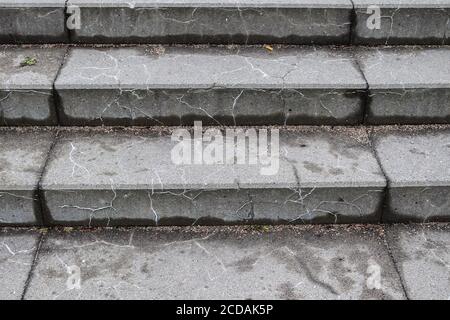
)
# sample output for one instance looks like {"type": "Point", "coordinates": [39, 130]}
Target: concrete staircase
{"type": "Point", "coordinates": [92, 94]}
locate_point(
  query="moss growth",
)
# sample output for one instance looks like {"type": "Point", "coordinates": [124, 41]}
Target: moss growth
{"type": "Point", "coordinates": [28, 61]}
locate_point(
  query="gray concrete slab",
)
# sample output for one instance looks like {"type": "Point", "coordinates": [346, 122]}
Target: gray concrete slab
{"type": "Point", "coordinates": [422, 254]}
{"type": "Point", "coordinates": [407, 85]}
{"type": "Point", "coordinates": [155, 85]}
{"type": "Point", "coordinates": [17, 250]}
{"type": "Point", "coordinates": [200, 22]}
{"type": "Point", "coordinates": [216, 263]}
{"type": "Point", "coordinates": [401, 22]}
{"type": "Point", "coordinates": [32, 21]}
{"type": "Point", "coordinates": [26, 84]}
{"type": "Point", "coordinates": [23, 154]}
{"type": "Point", "coordinates": [128, 177]}
{"type": "Point", "coordinates": [416, 164]}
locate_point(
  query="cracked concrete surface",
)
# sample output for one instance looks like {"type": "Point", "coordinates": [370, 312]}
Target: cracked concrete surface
{"type": "Point", "coordinates": [106, 176]}
{"type": "Point", "coordinates": [26, 91]}
{"type": "Point", "coordinates": [282, 262]}
{"type": "Point", "coordinates": [402, 22]}
{"type": "Point", "coordinates": [422, 253]}
{"type": "Point", "coordinates": [150, 85]}
{"type": "Point", "coordinates": [226, 85]}
{"type": "Point", "coordinates": [417, 167]}
{"type": "Point", "coordinates": [238, 22]}
{"type": "Point", "coordinates": [407, 85]}
{"type": "Point", "coordinates": [128, 177]}
{"type": "Point", "coordinates": [227, 22]}
{"type": "Point", "coordinates": [348, 262]}
{"type": "Point", "coordinates": [32, 21]}
{"type": "Point", "coordinates": [17, 251]}
{"type": "Point", "coordinates": [23, 154]}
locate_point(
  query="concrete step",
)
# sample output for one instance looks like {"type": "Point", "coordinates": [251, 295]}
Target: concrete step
{"type": "Point", "coordinates": [99, 177]}
{"type": "Point", "coordinates": [116, 178]}
{"type": "Point", "coordinates": [407, 85]}
{"type": "Point", "coordinates": [226, 22]}
{"type": "Point", "coordinates": [416, 162]}
{"type": "Point", "coordinates": [242, 85]}
{"type": "Point", "coordinates": [251, 86]}
{"type": "Point", "coordinates": [220, 86]}
{"type": "Point", "coordinates": [23, 154]}
{"type": "Point", "coordinates": [141, 177]}
{"type": "Point", "coordinates": [27, 76]}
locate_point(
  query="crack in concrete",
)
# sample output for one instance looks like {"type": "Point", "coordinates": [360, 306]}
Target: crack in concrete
{"type": "Point", "coordinates": [34, 263]}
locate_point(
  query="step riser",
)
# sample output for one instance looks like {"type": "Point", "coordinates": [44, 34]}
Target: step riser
{"type": "Point", "coordinates": [342, 22]}
{"type": "Point", "coordinates": [27, 108]}
{"type": "Point", "coordinates": [19, 207]}
{"type": "Point", "coordinates": [417, 204]}
{"type": "Point", "coordinates": [32, 25]}
{"type": "Point", "coordinates": [231, 107]}
{"type": "Point", "coordinates": [408, 106]}
{"type": "Point", "coordinates": [212, 107]}
{"type": "Point", "coordinates": [408, 26]}
{"type": "Point", "coordinates": [214, 26]}
{"type": "Point", "coordinates": [221, 207]}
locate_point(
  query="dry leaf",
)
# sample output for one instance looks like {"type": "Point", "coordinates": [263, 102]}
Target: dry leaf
{"type": "Point", "coordinates": [267, 47]}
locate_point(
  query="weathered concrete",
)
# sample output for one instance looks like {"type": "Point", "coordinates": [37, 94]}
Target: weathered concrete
{"type": "Point", "coordinates": [26, 96]}
{"type": "Point", "coordinates": [407, 85]}
{"type": "Point", "coordinates": [155, 85]}
{"type": "Point", "coordinates": [402, 22]}
{"type": "Point", "coordinates": [422, 254]}
{"type": "Point", "coordinates": [17, 250]}
{"type": "Point", "coordinates": [216, 263]}
{"type": "Point", "coordinates": [128, 178]}
{"type": "Point", "coordinates": [208, 21]}
{"type": "Point", "coordinates": [22, 157]}
{"type": "Point", "coordinates": [416, 163]}
{"type": "Point", "coordinates": [32, 21]}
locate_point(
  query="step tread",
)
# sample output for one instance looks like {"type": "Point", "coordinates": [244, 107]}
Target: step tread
{"type": "Point", "coordinates": [414, 157]}
{"type": "Point", "coordinates": [405, 67]}
{"type": "Point", "coordinates": [39, 75]}
{"type": "Point", "coordinates": [17, 251]}
{"type": "Point", "coordinates": [321, 158]}
{"type": "Point", "coordinates": [177, 68]}
{"type": "Point", "coordinates": [23, 154]}
{"type": "Point", "coordinates": [217, 263]}
{"type": "Point", "coordinates": [426, 275]}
